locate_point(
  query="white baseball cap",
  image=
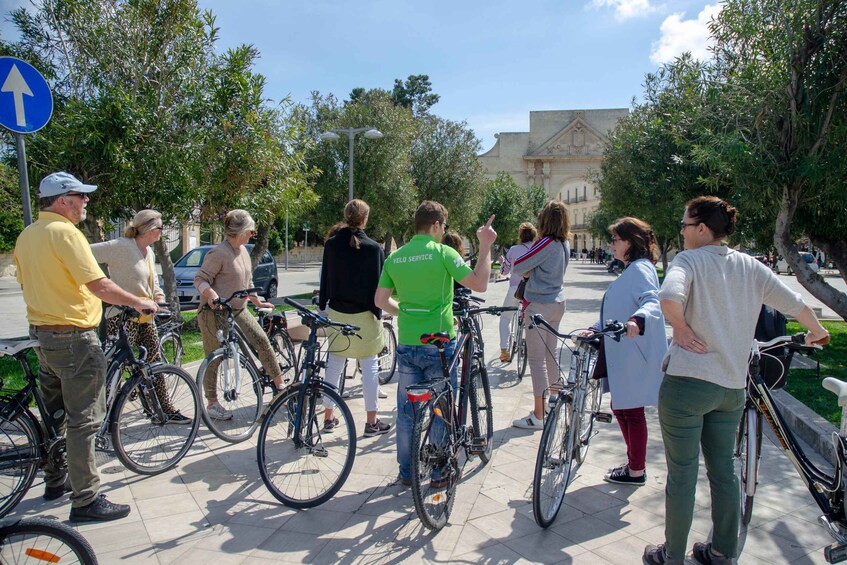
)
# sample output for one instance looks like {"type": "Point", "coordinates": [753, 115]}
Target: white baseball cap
{"type": "Point", "coordinates": [55, 184]}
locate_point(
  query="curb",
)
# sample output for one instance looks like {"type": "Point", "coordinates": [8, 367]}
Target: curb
{"type": "Point", "coordinates": [806, 424]}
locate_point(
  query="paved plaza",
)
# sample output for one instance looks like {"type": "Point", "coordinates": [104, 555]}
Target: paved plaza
{"type": "Point", "coordinates": [213, 508]}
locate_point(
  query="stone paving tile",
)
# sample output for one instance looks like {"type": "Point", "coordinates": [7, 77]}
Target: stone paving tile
{"type": "Point", "coordinates": [545, 546]}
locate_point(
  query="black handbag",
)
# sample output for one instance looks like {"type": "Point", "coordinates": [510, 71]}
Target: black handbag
{"type": "Point", "coordinates": [520, 290]}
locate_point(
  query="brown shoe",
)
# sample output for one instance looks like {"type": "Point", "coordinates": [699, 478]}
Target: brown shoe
{"type": "Point", "coordinates": [505, 356]}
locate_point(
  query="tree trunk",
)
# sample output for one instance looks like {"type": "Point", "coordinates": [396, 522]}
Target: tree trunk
{"type": "Point", "coordinates": [260, 245]}
{"type": "Point", "coordinates": [788, 249]}
{"type": "Point", "coordinates": [160, 250]}
{"type": "Point", "coordinates": [386, 246]}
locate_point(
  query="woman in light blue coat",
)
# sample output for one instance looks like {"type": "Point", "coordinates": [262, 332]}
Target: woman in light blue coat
{"type": "Point", "coordinates": [633, 365]}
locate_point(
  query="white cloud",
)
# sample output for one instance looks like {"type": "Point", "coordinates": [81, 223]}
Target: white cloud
{"type": "Point", "coordinates": [626, 9]}
{"type": "Point", "coordinates": [680, 35]}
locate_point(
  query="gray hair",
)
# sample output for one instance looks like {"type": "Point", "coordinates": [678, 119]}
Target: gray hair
{"type": "Point", "coordinates": [143, 222]}
{"type": "Point", "coordinates": [237, 222]}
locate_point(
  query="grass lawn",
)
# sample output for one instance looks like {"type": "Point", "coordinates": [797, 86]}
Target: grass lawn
{"type": "Point", "coordinates": [804, 385]}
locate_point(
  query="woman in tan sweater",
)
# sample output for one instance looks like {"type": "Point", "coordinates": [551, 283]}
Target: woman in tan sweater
{"type": "Point", "coordinates": [227, 269]}
{"type": "Point", "coordinates": [130, 263]}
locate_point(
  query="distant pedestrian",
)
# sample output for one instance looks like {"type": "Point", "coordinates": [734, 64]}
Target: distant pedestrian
{"type": "Point", "coordinates": [526, 235]}
{"type": "Point", "coordinates": [62, 287]}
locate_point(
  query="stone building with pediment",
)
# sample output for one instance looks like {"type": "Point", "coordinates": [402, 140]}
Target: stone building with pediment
{"type": "Point", "coordinates": [557, 152]}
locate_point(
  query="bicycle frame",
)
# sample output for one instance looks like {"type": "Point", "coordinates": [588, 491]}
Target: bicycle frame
{"type": "Point", "coordinates": [825, 489]}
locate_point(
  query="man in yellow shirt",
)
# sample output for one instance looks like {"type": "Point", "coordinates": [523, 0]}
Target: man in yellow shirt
{"type": "Point", "coordinates": [62, 287]}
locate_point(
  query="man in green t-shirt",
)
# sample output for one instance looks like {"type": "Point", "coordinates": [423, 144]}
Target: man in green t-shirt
{"type": "Point", "coordinates": [422, 274]}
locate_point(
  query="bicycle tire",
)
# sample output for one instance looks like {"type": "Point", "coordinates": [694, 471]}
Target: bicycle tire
{"type": "Point", "coordinates": [40, 540]}
{"type": "Point", "coordinates": [328, 456]}
{"type": "Point", "coordinates": [588, 411]}
{"type": "Point", "coordinates": [430, 437]}
{"type": "Point", "coordinates": [482, 417]}
{"type": "Point", "coordinates": [246, 406]}
{"type": "Point", "coordinates": [144, 440]}
{"type": "Point", "coordinates": [170, 348]}
{"type": "Point", "coordinates": [553, 463]}
{"type": "Point", "coordinates": [748, 452]}
{"type": "Point", "coordinates": [521, 361]}
{"type": "Point", "coordinates": [20, 455]}
{"type": "Point", "coordinates": [387, 358]}
{"type": "Point", "coordinates": [284, 350]}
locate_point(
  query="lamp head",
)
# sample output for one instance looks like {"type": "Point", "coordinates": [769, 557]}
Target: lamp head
{"type": "Point", "coordinates": [373, 134]}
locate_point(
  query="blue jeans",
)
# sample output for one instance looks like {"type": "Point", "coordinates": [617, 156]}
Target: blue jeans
{"type": "Point", "coordinates": [415, 363]}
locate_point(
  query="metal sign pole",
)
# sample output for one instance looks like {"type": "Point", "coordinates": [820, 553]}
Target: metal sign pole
{"type": "Point", "coordinates": [24, 179]}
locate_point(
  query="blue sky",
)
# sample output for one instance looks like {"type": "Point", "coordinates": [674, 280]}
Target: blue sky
{"type": "Point", "coordinates": [491, 62]}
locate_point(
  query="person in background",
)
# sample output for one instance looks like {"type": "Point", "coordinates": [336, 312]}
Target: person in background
{"type": "Point", "coordinates": [711, 296]}
{"type": "Point", "coordinates": [62, 286]}
{"type": "Point", "coordinates": [225, 270]}
{"type": "Point", "coordinates": [130, 263]}
{"type": "Point", "coordinates": [526, 235]}
{"type": "Point", "coordinates": [633, 366]}
{"type": "Point", "coordinates": [545, 263]}
{"type": "Point", "coordinates": [352, 263]}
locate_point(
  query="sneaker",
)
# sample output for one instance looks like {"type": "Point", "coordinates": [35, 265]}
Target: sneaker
{"type": "Point", "coordinates": [505, 356]}
{"type": "Point", "coordinates": [346, 393]}
{"type": "Point", "coordinates": [381, 393]}
{"type": "Point", "coordinates": [404, 482]}
{"type": "Point", "coordinates": [101, 510]}
{"type": "Point", "coordinates": [377, 428]}
{"type": "Point", "coordinates": [52, 493]}
{"type": "Point", "coordinates": [657, 555]}
{"type": "Point", "coordinates": [218, 412]}
{"type": "Point", "coordinates": [176, 417]}
{"type": "Point", "coordinates": [529, 422]}
{"type": "Point", "coordinates": [330, 425]}
{"type": "Point", "coordinates": [703, 553]}
{"type": "Point", "coordinates": [621, 476]}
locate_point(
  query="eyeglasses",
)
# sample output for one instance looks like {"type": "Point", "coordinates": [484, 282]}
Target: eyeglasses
{"type": "Point", "coordinates": [444, 225]}
{"type": "Point", "coordinates": [683, 224]}
{"type": "Point", "coordinates": [160, 228]}
{"type": "Point", "coordinates": [80, 194]}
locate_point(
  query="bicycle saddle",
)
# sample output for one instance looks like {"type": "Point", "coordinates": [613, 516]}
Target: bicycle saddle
{"type": "Point", "coordinates": [13, 346]}
{"type": "Point", "coordinates": [439, 339]}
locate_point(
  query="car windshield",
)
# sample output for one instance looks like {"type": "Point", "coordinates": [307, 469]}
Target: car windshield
{"type": "Point", "coordinates": [193, 258]}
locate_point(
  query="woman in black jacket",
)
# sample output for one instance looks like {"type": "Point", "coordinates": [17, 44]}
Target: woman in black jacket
{"type": "Point", "coordinates": [352, 263]}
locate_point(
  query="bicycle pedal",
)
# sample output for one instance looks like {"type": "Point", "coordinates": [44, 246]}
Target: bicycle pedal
{"type": "Point", "coordinates": [320, 452]}
{"type": "Point", "coordinates": [604, 417]}
{"type": "Point", "coordinates": [836, 553]}
{"type": "Point", "coordinates": [477, 446]}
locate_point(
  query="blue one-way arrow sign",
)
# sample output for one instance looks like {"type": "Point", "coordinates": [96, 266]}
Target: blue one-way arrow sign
{"type": "Point", "coordinates": [25, 100]}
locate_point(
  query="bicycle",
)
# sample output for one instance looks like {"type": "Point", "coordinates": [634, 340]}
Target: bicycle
{"type": "Point", "coordinates": [304, 459]}
{"type": "Point", "coordinates": [145, 437]}
{"type": "Point", "coordinates": [39, 540]}
{"type": "Point", "coordinates": [827, 490]}
{"type": "Point", "coordinates": [240, 381]}
{"type": "Point", "coordinates": [574, 407]}
{"type": "Point", "coordinates": [517, 342]}
{"type": "Point", "coordinates": [170, 340]}
{"type": "Point", "coordinates": [442, 426]}
{"type": "Point", "coordinates": [275, 325]}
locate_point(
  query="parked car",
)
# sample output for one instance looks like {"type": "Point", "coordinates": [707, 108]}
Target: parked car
{"type": "Point", "coordinates": [264, 276]}
{"type": "Point", "coordinates": [782, 264]}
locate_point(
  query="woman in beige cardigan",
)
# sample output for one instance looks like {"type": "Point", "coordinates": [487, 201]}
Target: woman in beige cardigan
{"type": "Point", "coordinates": [130, 263]}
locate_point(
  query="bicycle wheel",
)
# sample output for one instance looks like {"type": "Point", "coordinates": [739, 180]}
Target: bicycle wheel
{"type": "Point", "coordinates": [521, 360]}
{"type": "Point", "coordinates": [482, 418]}
{"type": "Point", "coordinates": [554, 463]}
{"type": "Point", "coordinates": [284, 349]}
{"type": "Point", "coordinates": [170, 348]}
{"type": "Point", "coordinates": [19, 458]}
{"type": "Point", "coordinates": [588, 414]}
{"type": "Point", "coordinates": [148, 438]}
{"type": "Point", "coordinates": [435, 472]}
{"type": "Point", "coordinates": [39, 540]}
{"type": "Point", "coordinates": [239, 392]}
{"type": "Point", "coordinates": [306, 469]}
{"type": "Point", "coordinates": [387, 358]}
{"type": "Point", "coordinates": [747, 453]}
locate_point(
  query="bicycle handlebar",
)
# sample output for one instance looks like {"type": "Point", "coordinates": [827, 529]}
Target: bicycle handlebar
{"type": "Point", "coordinates": [613, 329]}
{"type": "Point", "coordinates": [493, 310]}
{"type": "Point", "coordinates": [796, 342]}
{"type": "Point", "coordinates": [321, 321]}
{"type": "Point", "coordinates": [237, 294]}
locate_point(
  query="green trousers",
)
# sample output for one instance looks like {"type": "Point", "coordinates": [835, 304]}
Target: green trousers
{"type": "Point", "coordinates": [695, 414]}
{"type": "Point", "coordinates": [72, 382]}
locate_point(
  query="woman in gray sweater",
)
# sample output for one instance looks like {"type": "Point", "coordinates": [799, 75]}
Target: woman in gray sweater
{"type": "Point", "coordinates": [711, 297]}
{"type": "Point", "coordinates": [545, 262]}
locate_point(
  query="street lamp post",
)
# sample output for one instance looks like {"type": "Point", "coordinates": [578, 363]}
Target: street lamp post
{"type": "Point", "coordinates": [333, 134]}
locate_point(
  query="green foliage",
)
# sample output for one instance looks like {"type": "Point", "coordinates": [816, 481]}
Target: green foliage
{"type": "Point", "coordinates": [11, 216]}
{"type": "Point", "coordinates": [415, 93]}
{"type": "Point", "coordinates": [511, 204]}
